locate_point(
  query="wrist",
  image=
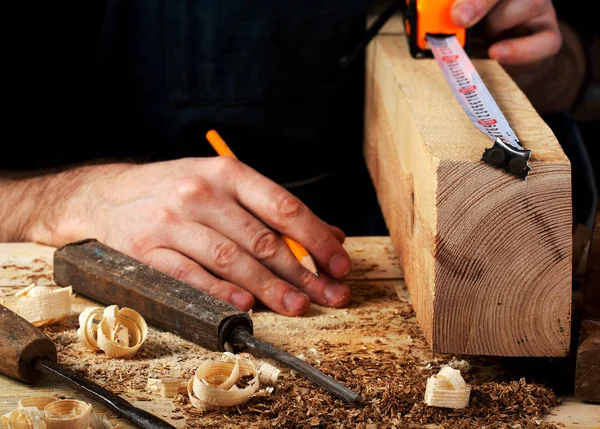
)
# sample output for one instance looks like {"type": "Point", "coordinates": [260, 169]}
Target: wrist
{"type": "Point", "coordinates": [57, 208]}
{"type": "Point", "coordinates": [58, 218]}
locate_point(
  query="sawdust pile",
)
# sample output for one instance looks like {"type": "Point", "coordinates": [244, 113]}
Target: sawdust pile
{"type": "Point", "coordinates": [392, 387]}
{"type": "Point", "coordinates": [391, 381]}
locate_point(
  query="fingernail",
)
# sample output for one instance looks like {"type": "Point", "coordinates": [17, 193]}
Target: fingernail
{"type": "Point", "coordinates": [336, 293]}
{"type": "Point", "coordinates": [339, 266]}
{"type": "Point", "coordinates": [242, 300]}
{"type": "Point", "coordinates": [294, 301]}
{"type": "Point", "coordinates": [465, 14]}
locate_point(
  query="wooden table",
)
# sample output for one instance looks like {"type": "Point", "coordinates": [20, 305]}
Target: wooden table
{"type": "Point", "coordinates": [378, 316]}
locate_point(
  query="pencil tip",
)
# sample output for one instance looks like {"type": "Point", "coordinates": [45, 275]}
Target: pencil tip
{"type": "Point", "coordinates": [317, 273]}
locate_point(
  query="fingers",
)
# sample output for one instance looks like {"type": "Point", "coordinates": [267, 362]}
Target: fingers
{"type": "Point", "coordinates": [511, 13]}
{"type": "Point", "coordinates": [500, 15]}
{"type": "Point", "coordinates": [322, 290]}
{"type": "Point", "coordinates": [176, 265]}
{"type": "Point", "coordinates": [229, 261]}
{"type": "Point", "coordinates": [526, 50]}
{"type": "Point", "coordinates": [467, 13]}
{"type": "Point", "coordinates": [231, 220]}
{"type": "Point", "coordinates": [286, 214]}
{"type": "Point", "coordinates": [339, 234]}
{"type": "Point", "coordinates": [529, 28]}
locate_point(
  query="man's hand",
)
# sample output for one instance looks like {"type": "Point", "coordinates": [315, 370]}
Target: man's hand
{"type": "Point", "coordinates": [542, 54]}
{"type": "Point", "coordinates": [213, 223]}
{"type": "Point", "coordinates": [523, 32]}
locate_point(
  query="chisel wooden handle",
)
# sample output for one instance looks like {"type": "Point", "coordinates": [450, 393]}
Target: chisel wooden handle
{"type": "Point", "coordinates": [110, 277]}
{"type": "Point", "coordinates": [20, 344]}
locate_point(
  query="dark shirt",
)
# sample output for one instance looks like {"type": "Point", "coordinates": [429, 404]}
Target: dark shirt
{"type": "Point", "coordinates": [145, 79]}
{"type": "Point", "coordinates": [151, 69]}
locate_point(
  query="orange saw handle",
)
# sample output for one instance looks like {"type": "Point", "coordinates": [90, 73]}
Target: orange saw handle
{"type": "Point", "coordinates": [422, 17]}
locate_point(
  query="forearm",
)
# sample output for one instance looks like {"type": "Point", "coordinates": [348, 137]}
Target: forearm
{"type": "Point", "coordinates": [33, 206]}
{"type": "Point", "coordinates": [47, 208]}
{"type": "Point", "coordinates": [20, 199]}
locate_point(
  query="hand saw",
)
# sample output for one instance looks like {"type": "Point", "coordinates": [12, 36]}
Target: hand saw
{"type": "Point", "coordinates": [432, 33]}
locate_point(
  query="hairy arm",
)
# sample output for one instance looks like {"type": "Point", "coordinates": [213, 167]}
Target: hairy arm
{"type": "Point", "coordinates": [25, 204]}
{"type": "Point", "coordinates": [210, 222]}
{"type": "Point", "coordinates": [47, 207]}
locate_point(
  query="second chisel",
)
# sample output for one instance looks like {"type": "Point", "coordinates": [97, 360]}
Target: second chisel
{"type": "Point", "coordinates": [110, 277]}
{"type": "Point", "coordinates": [27, 354]}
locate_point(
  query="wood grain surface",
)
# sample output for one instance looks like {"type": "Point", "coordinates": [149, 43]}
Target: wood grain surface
{"type": "Point", "coordinates": [487, 257]}
{"type": "Point", "coordinates": [379, 318]}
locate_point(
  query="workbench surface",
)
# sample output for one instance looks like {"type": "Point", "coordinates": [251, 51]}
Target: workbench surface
{"type": "Point", "coordinates": [376, 332]}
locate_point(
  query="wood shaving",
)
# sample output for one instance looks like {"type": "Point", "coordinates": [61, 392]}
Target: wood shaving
{"type": "Point", "coordinates": [447, 389]}
{"type": "Point", "coordinates": [25, 418]}
{"type": "Point", "coordinates": [42, 412]}
{"type": "Point", "coordinates": [267, 373]}
{"type": "Point", "coordinates": [231, 380]}
{"type": "Point", "coordinates": [118, 332]}
{"type": "Point", "coordinates": [166, 387]}
{"type": "Point", "coordinates": [43, 305]}
{"type": "Point", "coordinates": [89, 319]}
{"type": "Point", "coordinates": [38, 402]}
{"type": "Point", "coordinates": [67, 414]}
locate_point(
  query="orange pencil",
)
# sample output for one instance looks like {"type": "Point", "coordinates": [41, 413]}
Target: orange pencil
{"type": "Point", "coordinates": [297, 249]}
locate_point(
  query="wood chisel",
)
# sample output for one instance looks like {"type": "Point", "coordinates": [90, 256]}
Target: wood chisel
{"type": "Point", "coordinates": [27, 354]}
{"type": "Point", "coordinates": [432, 33]}
{"type": "Point", "coordinates": [110, 277]}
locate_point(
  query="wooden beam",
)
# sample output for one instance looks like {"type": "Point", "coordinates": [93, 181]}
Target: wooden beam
{"type": "Point", "coordinates": [486, 257]}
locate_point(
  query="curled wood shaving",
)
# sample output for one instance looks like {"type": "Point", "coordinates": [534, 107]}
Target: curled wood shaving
{"type": "Point", "coordinates": [25, 418]}
{"type": "Point", "coordinates": [67, 414]}
{"type": "Point", "coordinates": [43, 305]}
{"type": "Point", "coordinates": [38, 402]}
{"type": "Point", "coordinates": [89, 319]}
{"type": "Point", "coordinates": [166, 387]}
{"type": "Point", "coordinates": [40, 412]}
{"type": "Point", "coordinates": [447, 389]}
{"type": "Point", "coordinates": [117, 332]}
{"type": "Point", "coordinates": [231, 380]}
